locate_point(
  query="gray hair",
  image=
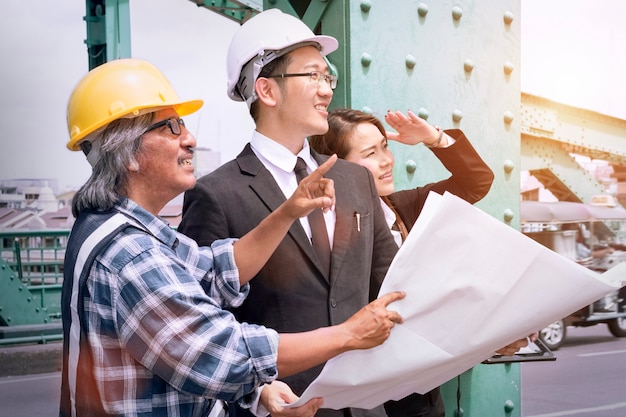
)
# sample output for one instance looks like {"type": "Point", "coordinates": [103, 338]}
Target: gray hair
{"type": "Point", "coordinates": [117, 145]}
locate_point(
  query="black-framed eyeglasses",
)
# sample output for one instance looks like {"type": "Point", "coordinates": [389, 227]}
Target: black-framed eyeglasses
{"type": "Point", "coordinates": [173, 123]}
{"type": "Point", "coordinates": [314, 76]}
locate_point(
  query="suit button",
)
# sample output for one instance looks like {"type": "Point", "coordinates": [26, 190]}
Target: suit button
{"type": "Point", "coordinates": [333, 303]}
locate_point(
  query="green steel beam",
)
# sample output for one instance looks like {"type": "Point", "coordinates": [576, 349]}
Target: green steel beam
{"type": "Point", "coordinates": [314, 13]}
{"type": "Point", "coordinates": [17, 305]}
{"type": "Point", "coordinates": [332, 18]}
{"type": "Point", "coordinates": [310, 11]}
{"type": "Point", "coordinates": [294, 8]}
{"type": "Point", "coordinates": [108, 31]}
{"type": "Point", "coordinates": [239, 11]}
{"type": "Point", "coordinates": [456, 64]}
{"type": "Point", "coordinates": [478, 392]}
{"type": "Point", "coordinates": [578, 130]}
{"type": "Point", "coordinates": [557, 170]}
{"type": "Point", "coordinates": [551, 131]}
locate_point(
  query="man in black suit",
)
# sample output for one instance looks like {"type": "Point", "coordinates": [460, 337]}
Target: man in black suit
{"type": "Point", "coordinates": [276, 65]}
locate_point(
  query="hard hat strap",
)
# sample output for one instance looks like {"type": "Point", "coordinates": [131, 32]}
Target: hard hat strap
{"type": "Point", "coordinates": [92, 149]}
{"type": "Point", "coordinates": [251, 70]}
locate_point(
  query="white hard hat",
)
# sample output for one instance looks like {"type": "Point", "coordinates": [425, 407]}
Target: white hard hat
{"type": "Point", "coordinates": [260, 40]}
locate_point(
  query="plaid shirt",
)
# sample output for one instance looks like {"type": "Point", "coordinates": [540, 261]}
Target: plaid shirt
{"type": "Point", "coordinates": [154, 331]}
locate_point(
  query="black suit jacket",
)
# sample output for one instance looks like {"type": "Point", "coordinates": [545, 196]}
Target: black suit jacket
{"type": "Point", "coordinates": [291, 293]}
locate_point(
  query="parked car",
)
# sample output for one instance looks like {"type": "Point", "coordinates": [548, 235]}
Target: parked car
{"type": "Point", "coordinates": [594, 236]}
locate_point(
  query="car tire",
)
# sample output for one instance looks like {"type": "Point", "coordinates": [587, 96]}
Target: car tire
{"type": "Point", "coordinates": [617, 327]}
{"type": "Point", "coordinates": [553, 335]}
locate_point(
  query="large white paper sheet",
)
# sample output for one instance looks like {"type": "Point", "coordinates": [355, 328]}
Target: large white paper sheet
{"type": "Point", "coordinates": [473, 285]}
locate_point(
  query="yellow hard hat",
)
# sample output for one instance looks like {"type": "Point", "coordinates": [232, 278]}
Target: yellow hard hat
{"type": "Point", "coordinates": [116, 89]}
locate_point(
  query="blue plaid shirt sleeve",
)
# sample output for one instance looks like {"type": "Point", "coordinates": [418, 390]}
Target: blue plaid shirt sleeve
{"type": "Point", "coordinates": [222, 281]}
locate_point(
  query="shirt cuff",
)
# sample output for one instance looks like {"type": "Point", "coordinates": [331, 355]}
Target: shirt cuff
{"type": "Point", "coordinates": [257, 409]}
{"type": "Point", "coordinates": [451, 141]}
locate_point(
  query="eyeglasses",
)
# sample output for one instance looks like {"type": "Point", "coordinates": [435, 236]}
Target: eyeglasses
{"type": "Point", "coordinates": [314, 76]}
{"type": "Point", "coordinates": [173, 123]}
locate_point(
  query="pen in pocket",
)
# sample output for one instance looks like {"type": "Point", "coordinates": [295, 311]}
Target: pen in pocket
{"type": "Point", "coordinates": [357, 216]}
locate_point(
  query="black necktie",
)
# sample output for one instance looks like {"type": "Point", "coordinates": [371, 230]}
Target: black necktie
{"type": "Point", "coordinates": [319, 235]}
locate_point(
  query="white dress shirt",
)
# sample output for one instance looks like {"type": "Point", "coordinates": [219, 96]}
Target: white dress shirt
{"type": "Point", "coordinates": [280, 162]}
{"type": "Point", "coordinates": [390, 218]}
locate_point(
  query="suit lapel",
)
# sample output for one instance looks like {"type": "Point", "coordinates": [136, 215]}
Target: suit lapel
{"type": "Point", "coordinates": [261, 180]}
{"type": "Point", "coordinates": [268, 191]}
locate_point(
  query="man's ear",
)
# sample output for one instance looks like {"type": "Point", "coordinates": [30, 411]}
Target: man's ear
{"type": "Point", "coordinates": [266, 91]}
{"type": "Point", "coordinates": [133, 165]}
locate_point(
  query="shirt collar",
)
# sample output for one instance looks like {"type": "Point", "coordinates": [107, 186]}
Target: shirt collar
{"type": "Point", "coordinates": [390, 218]}
{"type": "Point", "coordinates": [280, 156]}
{"type": "Point", "coordinates": [154, 225]}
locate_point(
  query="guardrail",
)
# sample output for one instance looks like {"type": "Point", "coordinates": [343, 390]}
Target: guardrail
{"type": "Point", "coordinates": [31, 278]}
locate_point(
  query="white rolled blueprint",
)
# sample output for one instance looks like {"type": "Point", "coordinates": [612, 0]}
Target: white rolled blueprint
{"type": "Point", "coordinates": [473, 285]}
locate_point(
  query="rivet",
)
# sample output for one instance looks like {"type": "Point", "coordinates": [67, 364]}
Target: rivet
{"type": "Point", "coordinates": [422, 9]}
{"type": "Point", "coordinates": [366, 59]}
{"type": "Point", "coordinates": [423, 113]}
{"type": "Point", "coordinates": [410, 166]}
{"type": "Point", "coordinates": [508, 67]}
{"type": "Point", "coordinates": [509, 406]}
{"type": "Point", "coordinates": [508, 117]}
{"type": "Point", "coordinates": [410, 61]}
{"type": "Point", "coordinates": [468, 65]}
{"type": "Point", "coordinates": [508, 215]}
{"type": "Point", "coordinates": [457, 115]}
{"type": "Point", "coordinates": [508, 17]}
{"type": "Point", "coordinates": [457, 13]}
{"type": "Point", "coordinates": [366, 5]}
{"type": "Point", "coordinates": [508, 166]}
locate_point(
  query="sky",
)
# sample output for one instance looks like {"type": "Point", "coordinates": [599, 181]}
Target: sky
{"type": "Point", "coordinates": [572, 52]}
